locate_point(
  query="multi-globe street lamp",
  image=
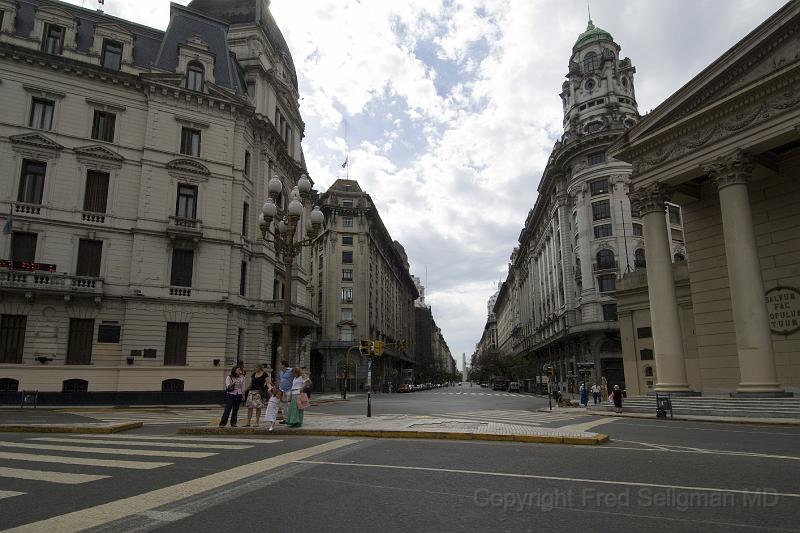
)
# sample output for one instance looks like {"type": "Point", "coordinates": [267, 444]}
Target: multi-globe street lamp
{"type": "Point", "coordinates": [289, 243]}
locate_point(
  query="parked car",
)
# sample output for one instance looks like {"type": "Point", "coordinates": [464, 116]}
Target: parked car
{"type": "Point", "coordinates": [485, 385]}
{"type": "Point", "coordinates": [405, 387]}
{"type": "Point", "coordinates": [513, 386]}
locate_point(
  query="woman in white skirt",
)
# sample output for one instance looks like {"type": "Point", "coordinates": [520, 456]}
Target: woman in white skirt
{"type": "Point", "coordinates": [257, 394]}
{"type": "Point", "coordinates": [272, 406]}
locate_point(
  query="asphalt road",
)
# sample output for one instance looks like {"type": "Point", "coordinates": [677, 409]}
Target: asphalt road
{"type": "Point", "coordinates": [653, 476]}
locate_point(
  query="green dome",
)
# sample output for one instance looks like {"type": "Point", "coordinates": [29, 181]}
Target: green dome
{"type": "Point", "coordinates": [592, 34]}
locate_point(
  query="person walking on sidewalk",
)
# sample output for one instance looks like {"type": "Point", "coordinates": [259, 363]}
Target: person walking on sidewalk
{"type": "Point", "coordinates": [596, 393]}
{"type": "Point", "coordinates": [234, 387]}
{"type": "Point", "coordinates": [617, 398]}
{"type": "Point", "coordinates": [272, 406]}
{"type": "Point", "coordinates": [584, 395]}
{"type": "Point", "coordinates": [297, 400]}
{"type": "Point", "coordinates": [256, 394]}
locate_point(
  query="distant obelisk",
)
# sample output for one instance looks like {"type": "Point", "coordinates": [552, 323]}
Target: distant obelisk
{"type": "Point", "coordinates": [464, 367]}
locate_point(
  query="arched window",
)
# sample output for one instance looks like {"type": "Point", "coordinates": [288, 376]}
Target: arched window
{"type": "Point", "coordinates": [590, 62]}
{"type": "Point", "coordinates": [75, 385]}
{"type": "Point", "coordinates": [638, 258]}
{"type": "Point", "coordinates": [648, 371]}
{"type": "Point", "coordinates": [680, 257]}
{"type": "Point", "coordinates": [605, 260]}
{"type": "Point", "coordinates": [194, 76]}
{"type": "Point", "coordinates": [9, 385]}
{"type": "Point", "coordinates": [172, 385]}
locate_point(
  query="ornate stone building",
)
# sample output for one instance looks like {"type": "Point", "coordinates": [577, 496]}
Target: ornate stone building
{"type": "Point", "coordinates": [136, 161]}
{"type": "Point", "coordinates": [361, 289]}
{"type": "Point", "coordinates": [726, 146]}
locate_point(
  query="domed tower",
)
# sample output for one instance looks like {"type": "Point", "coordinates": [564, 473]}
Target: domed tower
{"type": "Point", "coordinates": [598, 94]}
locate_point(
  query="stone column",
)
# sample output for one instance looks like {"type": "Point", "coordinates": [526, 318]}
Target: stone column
{"type": "Point", "coordinates": [664, 314]}
{"type": "Point", "coordinates": [753, 336]}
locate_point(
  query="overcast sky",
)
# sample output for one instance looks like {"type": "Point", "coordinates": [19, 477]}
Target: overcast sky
{"type": "Point", "coordinates": [452, 109]}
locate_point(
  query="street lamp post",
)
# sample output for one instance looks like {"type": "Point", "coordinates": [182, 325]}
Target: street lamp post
{"type": "Point", "coordinates": [287, 243]}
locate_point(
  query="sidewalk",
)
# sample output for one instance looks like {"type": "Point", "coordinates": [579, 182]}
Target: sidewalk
{"type": "Point", "coordinates": [687, 418]}
{"type": "Point", "coordinates": [413, 427]}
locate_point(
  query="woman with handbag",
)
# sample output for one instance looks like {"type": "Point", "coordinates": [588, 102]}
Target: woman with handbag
{"type": "Point", "coordinates": [298, 400]}
{"type": "Point", "coordinates": [234, 387]}
{"type": "Point", "coordinates": [256, 394]}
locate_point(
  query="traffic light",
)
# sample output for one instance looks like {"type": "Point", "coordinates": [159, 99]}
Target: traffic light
{"type": "Point", "coordinates": [365, 347]}
{"type": "Point", "coordinates": [377, 347]}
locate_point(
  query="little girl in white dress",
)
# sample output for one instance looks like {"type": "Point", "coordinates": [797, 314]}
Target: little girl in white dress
{"type": "Point", "coordinates": [272, 406]}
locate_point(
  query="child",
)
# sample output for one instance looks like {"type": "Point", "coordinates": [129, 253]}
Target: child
{"type": "Point", "coordinates": [272, 406]}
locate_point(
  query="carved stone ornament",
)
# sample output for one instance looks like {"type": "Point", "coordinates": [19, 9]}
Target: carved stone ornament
{"type": "Point", "coordinates": [732, 169]}
{"type": "Point", "coordinates": [188, 166]}
{"type": "Point", "coordinates": [650, 199]}
{"type": "Point", "coordinates": [35, 140]}
{"type": "Point", "coordinates": [98, 151]}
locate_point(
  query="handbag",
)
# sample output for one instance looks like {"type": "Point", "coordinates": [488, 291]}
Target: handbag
{"type": "Point", "coordinates": [303, 401]}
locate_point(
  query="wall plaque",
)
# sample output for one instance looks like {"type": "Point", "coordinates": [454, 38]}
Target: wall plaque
{"type": "Point", "coordinates": [783, 306]}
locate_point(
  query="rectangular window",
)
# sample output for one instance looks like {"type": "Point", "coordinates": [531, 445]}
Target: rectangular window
{"type": "Point", "coordinates": [246, 162]}
{"type": "Point", "coordinates": [240, 344]}
{"type": "Point", "coordinates": [677, 235]}
{"type": "Point", "coordinates": [347, 203]}
{"type": "Point", "coordinates": [599, 186]}
{"type": "Point", "coordinates": [182, 266]}
{"type": "Point", "coordinates": [190, 142]}
{"type": "Point", "coordinates": [609, 311]}
{"type": "Point", "coordinates": [637, 230]}
{"type": "Point", "coordinates": [245, 219]}
{"type": "Point", "coordinates": [347, 240]}
{"type": "Point", "coordinates": [346, 334]}
{"type": "Point", "coordinates": [601, 210]}
{"type": "Point", "coordinates": [347, 295]}
{"type": "Point", "coordinates": [321, 262]}
{"type": "Point", "coordinates": [112, 55]}
{"type": "Point", "coordinates": [187, 202]}
{"type": "Point", "coordinates": [95, 199]}
{"type": "Point", "coordinates": [23, 247]}
{"type": "Point", "coordinates": [90, 254]}
{"type": "Point", "coordinates": [603, 230]}
{"type": "Point", "coordinates": [175, 345]}
{"type": "Point", "coordinates": [597, 158]}
{"type": "Point", "coordinates": [31, 183]}
{"type": "Point", "coordinates": [674, 214]}
{"type": "Point", "coordinates": [347, 256]}
{"type": "Point", "coordinates": [347, 274]}
{"type": "Point", "coordinates": [12, 338]}
{"type": "Point", "coordinates": [79, 346]}
{"type": "Point", "coordinates": [53, 42]}
{"type": "Point", "coordinates": [644, 333]}
{"type": "Point", "coordinates": [103, 126]}
{"type": "Point", "coordinates": [607, 282]}
{"type": "Point", "coordinates": [646, 354]}
{"type": "Point", "coordinates": [347, 222]}
{"type": "Point", "coordinates": [243, 279]}
{"type": "Point", "coordinates": [42, 114]}
{"type": "Point", "coordinates": [347, 314]}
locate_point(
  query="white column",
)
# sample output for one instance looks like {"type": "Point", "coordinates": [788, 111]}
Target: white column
{"type": "Point", "coordinates": [664, 313]}
{"type": "Point", "coordinates": [753, 337]}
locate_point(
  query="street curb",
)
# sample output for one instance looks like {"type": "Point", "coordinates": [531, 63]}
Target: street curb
{"type": "Point", "coordinates": [104, 429]}
{"type": "Point", "coordinates": [399, 434]}
{"type": "Point", "coordinates": [692, 418]}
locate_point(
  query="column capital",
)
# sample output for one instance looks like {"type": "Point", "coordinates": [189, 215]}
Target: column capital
{"type": "Point", "coordinates": [650, 199]}
{"type": "Point", "coordinates": [732, 169]}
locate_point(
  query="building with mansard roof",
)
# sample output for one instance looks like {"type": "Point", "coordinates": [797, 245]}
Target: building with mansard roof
{"type": "Point", "coordinates": [137, 160]}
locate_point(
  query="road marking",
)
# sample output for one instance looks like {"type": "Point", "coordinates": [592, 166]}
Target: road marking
{"type": "Point", "coordinates": [588, 425]}
{"type": "Point", "coordinates": [107, 451]}
{"type": "Point", "coordinates": [558, 478]}
{"type": "Point", "coordinates": [757, 429]}
{"type": "Point", "coordinates": [88, 461]}
{"type": "Point", "coordinates": [51, 477]}
{"type": "Point", "coordinates": [688, 449]}
{"type": "Point", "coordinates": [9, 494]}
{"type": "Point", "coordinates": [109, 512]}
{"type": "Point", "coordinates": [132, 443]}
{"type": "Point", "coordinates": [192, 439]}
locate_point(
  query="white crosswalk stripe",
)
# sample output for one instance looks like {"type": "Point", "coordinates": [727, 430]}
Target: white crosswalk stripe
{"type": "Point", "coordinates": [162, 417]}
{"type": "Point", "coordinates": [156, 444]}
{"type": "Point", "coordinates": [107, 451]}
{"type": "Point", "coordinates": [9, 494]}
{"type": "Point", "coordinates": [525, 418]}
{"type": "Point", "coordinates": [51, 477]}
{"type": "Point", "coordinates": [505, 394]}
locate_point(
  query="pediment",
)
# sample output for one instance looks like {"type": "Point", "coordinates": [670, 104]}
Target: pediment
{"type": "Point", "coordinates": [113, 28]}
{"type": "Point", "coordinates": [99, 152]}
{"type": "Point", "coordinates": [188, 166]}
{"type": "Point", "coordinates": [35, 140]}
{"type": "Point", "coordinates": [55, 12]}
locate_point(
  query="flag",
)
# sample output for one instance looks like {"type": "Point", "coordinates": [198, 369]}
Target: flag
{"type": "Point", "coordinates": [344, 165]}
{"type": "Point", "coordinates": [101, 2]}
{"type": "Point", "coordinates": [9, 223]}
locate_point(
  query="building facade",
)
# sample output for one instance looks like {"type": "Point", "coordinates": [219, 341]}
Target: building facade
{"type": "Point", "coordinates": [726, 146]}
{"type": "Point", "coordinates": [136, 162]}
{"type": "Point", "coordinates": [362, 290]}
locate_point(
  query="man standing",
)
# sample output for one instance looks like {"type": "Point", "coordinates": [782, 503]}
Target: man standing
{"type": "Point", "coordinates": [596, 393]}
{"type": "Point", "coordinates": [285, 385]}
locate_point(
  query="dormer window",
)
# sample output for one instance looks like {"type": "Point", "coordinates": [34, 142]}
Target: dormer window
{"type": "Point", "coordinates": [194, 76]}
{"type": "Point", "coordinates": [590, 62]}
{"type": "Point", "coordinates": [53, 42]}
{"type": "Point", "coordinates": [112, 55]}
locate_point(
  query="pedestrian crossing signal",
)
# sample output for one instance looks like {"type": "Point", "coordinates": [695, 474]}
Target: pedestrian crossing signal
{"type": "Point", "coordinates": [365, 347]}
{"type": "Point", "coordinates": [378, 348]}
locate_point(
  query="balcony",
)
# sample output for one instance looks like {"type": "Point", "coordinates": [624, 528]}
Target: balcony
{"type": "Point", "coordinates": [180, 291]}
{"type": "Point", "coordinates": [22, 208]}
{"type": "Point", "coordinates": [96, 218]}
{"type": "Point", "coordinates": [185, 228]}
{"type": "Point", "coordinates": [609, 266]}
{"type": "Point", "coordinates": [298, 314]}
{"type": "Point", "coordinates": [45, 282]}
